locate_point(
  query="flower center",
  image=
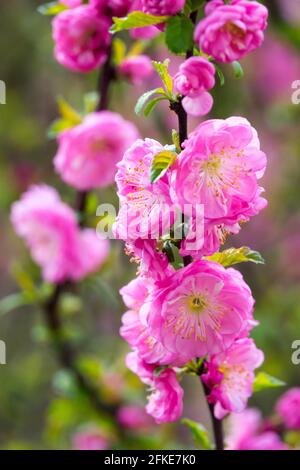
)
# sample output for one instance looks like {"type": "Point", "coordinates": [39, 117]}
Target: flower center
{"type": "Point", "coordinates": [212, 165]}
{"type": "Point", "coordinates": [197, 303]}
{"type": "Point", "coordinates": [234, 30]}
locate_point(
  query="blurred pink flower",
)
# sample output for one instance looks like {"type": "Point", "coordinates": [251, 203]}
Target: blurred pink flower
{"type": "Point", "coordinates": [162, 7]}
{"type": "Point", "coordinates": [134, 417]}
{"type": "Point", "coordinates": [81, 38]}
{"type": "Point", "coordinates": [136, 68]}
{"type": "Point", "coordinates": [111, 7]}
{"type": "Point", "coordinates": [245, 433]}
{"type": "Point", "coordinates": [288, 408]}
{"type": "Point", "coordinates": [71, 3]}
{"type": "Point", "coordinates": [200, 309]}
{"type": "Point", "coordinates": [90, 440]}
{"type": "Point", "coordinates": [277, 66]}
{"type": "Point", "coordinates": [51, 232]}
{"type": "Point", "coordinates": [195, 77]}
{"type": "Point", "coordinates": [230, 31]}
{"type": "Point", "coordinates": [229, 376]}
{"type": "Point", "coordinates": [88, 153]}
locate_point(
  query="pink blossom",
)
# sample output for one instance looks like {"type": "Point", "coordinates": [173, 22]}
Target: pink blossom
{"type": "Point", "coordinates": [144, 207]}
{"type": "Point", "coordinates": [219, 168]}
{"type": "Point", "coordinates": [230, 376]}
{"type": "Point", "coordinates": [195, 77]}
{"type": "Point", "coordinates": [134, 417]}
{"type": "Point", "coordinates": [200, 309]}
{"type": "Point", "coordinates": [136, 68]}
{"type": "Point", "coordinates": [162, 7]}
{"type": "Point", "coordinates": [245, 433]}
{"type": "Point", "coordinates": [81, 38]}
{"type": "Point", "coordinates": [288, 408]}
{"type": "Point", "coordinates": [91, 439]}
{"type": "Point", "coordinates": [165, 399]}
{"type": "Point", "coordinates": [135, 328]}
{"type": "Point", "coordinates": [230, 31]}
{"type": "Point", "coordinates": [88, 153]}
{"type": "Point", "coordinates": [51, 232]}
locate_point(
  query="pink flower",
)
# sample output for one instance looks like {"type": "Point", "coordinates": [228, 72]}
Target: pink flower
{"type": "Point", "coordinates": [81, 38]}
{"type": "Point", "coordinates": [162, 7]}
{"type": "Point", "coordinates": [200, 309]}
{"type": "Point", "coordinates": [144, 207]}
{"type": "Point", "coordinates": [57, 245]}
{"type": "Point", "coordinates": [245, 433]}
{"type": "Point", "coordinates": [230, 31]}
{"type": "Point", "coordinates": [230, 376]}
{"type": "Point", "coordinates": [195, 77]}
{"type": "Point", "coordinates": [136, 68]}
{"type": "Point", "coordinates": [134, 417]}
{"type": "Point", "coordinates": [288, 408]}
{"type": "Point", "coordinates": [165, 399]}
{"type": "Point", "coordinates": [219, 168]}
{"type": "Point", "coordinates": [135, 328]}
{"type": "Point", "coordinates": [88, 153]}
{"type": "Point", "coordinates": [90, 440]}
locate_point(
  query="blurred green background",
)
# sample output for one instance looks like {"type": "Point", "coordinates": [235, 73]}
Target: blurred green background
{"type": "Point", "coordinates": [40, 406]}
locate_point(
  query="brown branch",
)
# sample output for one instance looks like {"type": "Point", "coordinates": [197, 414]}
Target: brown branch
{"type": "Point", "coordinates": [66, 353]}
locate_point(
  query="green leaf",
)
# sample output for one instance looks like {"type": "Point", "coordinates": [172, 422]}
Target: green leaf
{"type": "Point", "coordinates": [237, 255]}
{"type": "Point", "coordinates": [151, 105]}
{"type": "Point", "coordinates": [176, 140]}
{"type": "Point", "coordinates": [160, 164]}
{"type": "Point", "coordinates": [52, 8]}
{"type": "Point", "coordinates": [263, 381]}
{"type": "Point", "coordinates": [145, 97]}
{"type": "Point", "coordinates": [58, 126]}
{"type": "Point", "coordinates": [67, 112]}
{"type": "Point", "coordinates": [90, 101]}
{"type": "Point", "coordinates": [136, 19]}
{"type": "Point", "coordinates": [200, 434]}
{"type": "Point", "coordinates": [13, 301]}
{"type": "Point", "coordinates": [119, 50]}
{"type": "Point", "coordinates": [220, 75]}
{"type": "Point", "coordinates": [179, 34]}
{"type": "Point", "coordinates": [237, 69]}
{"type": "Point", "coordinates": [162, 68]}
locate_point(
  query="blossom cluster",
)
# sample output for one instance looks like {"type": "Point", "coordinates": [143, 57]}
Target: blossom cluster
{"type": "Point", "coordinates": [195, 311]}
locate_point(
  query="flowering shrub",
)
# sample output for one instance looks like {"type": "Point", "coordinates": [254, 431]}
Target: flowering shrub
{"type": "Point", "coordinates": [189, 311]}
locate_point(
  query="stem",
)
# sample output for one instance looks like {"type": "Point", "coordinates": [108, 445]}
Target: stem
{"type": "Point", "coordinates": [216, 423]}
{"type": "Point", "coordinates": [66, 353]}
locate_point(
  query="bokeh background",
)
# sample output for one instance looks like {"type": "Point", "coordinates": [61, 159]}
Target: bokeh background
{"type": "Point", "coordinates": [40, 406]}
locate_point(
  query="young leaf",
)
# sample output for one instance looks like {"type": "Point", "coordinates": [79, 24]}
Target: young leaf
{"type": "Point", "coordinates": [220, 75]}
{"type": "Point", "coordinates": [162, 68]}
{"type": "Point", "coordinates": [136, 19]}
{"type": "Point", "coordinates": [237, 69]}
{"type": "Point", "coordinates": [145, 97]}
{"type": "Point", "coordinates": [52, 8]}
{"type": "Point", "coordinates": [263, 381]}
{"type": "Point", "coordinates": [151, 105]}
{"type": "Point", "coordinates": [237, 255]}
{"type": "Point", "coordinates": [90, 101]}
{"type": "Point", "coordinates": [13, 301]}
{"type": "Point", "coordinates": [200, 434]}
{"type": "Point", "coordinates": [160, 164]}
{"type": "Point", "coordinates": [119, 50]}
{"type": "Point", "coordinates": [67, 112]}
{"type": "Point", "coordinates": [58, 126]}
{"type": "Point", "coordinates": [176, 140]}
{"type": "Point", "coordinates": [179, 34]}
